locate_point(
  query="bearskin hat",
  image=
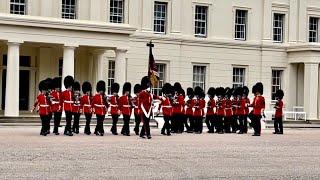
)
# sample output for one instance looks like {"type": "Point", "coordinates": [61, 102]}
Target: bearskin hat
{"type": "Point", "coordinates": [258, 87]}
{"type": "Point", "coordinates": [202, 94]}
{"type": "Point", "coordinates": [190, 92]}
{"type": "Point", "coordinates": [145, 82]}
{"type": "Point", "coordinates": [49, 83]}
{"type": "Point", "coordinates": [57, 82]}
{"type": "Point", "coordinates": [101, 86]}
{"type": "Point", "coordinates": [76, 86]}
{"type": "Point", "coordinates": [198, 90]}
{"type": "Point", "coordinates": [183, 93]}
{"type": "Point", "coordinates": [166, 89]}
{"type": "Point", "coordinates": [228, 92]}
{"type": "Point", "coordinates": [68, 81]}
{"type": "Point", "coordinates": [177, 87]}
{"type": "Point", "coordinates": [220, 91]}
{"type": "Point", "coordinates": [279, 94]}
{"type": "Point", "coordinates": [115, 88]}
{"type": "Point", "coordinates": [42, 86]}
{"type": "Point", "coordinates": [86, 87]}
{"type": "Point", "coordinates": [246, 90]}
{"type": "Point", "coordinates": [211, 92]}
{"type": "Point", "coordinates": [238, 91]}
{"type": "Point", "coordinates": [137, 88]}
{"type": "Point", "coordinates": [126, 87]}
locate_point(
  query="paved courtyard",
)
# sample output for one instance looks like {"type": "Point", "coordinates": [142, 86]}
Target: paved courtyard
{"type": "Point", "coordinates": [26, 155]}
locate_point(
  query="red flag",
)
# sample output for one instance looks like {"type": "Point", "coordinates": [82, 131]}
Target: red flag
{"type": "Point", "coordinates": [152, 69]}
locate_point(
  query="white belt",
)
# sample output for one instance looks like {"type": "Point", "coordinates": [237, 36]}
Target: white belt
{"type": "Point", "coordinates": [113, 105]}
{"type": "Point", "coordinates": [41, 105]}
{"type": "Point", "coordinates": [98, 105]}
{"type": "Point", "coordinates": [87, 105]}
{"type": "Point", "coordinates": [55, 102]}
{"type": "Point", "coordinates": [167, 106]}
{"type": "Point", "coordinates": [227, 108]}
{"type": "Point", "coordinates": [68, 101]}
{"type": "Point", "coordinates": [126, 106]}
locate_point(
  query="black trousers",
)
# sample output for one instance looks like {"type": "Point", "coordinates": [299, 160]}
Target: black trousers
{"type": "Point", "coordinates": [57, 120]}
{"type": "Point", "coordinates": [125, 127]}
{"type": "Point", "coordinates": [219, 123]}
{"type": "Point", "coordinates": [174, 123]}
{"type": "Point", "coordinates": [191, 121]}
{"type": "Point", "coordinates": [115, 119]}
{"type": "Point", "coordinates": [256, 123]}
{"type": "Point", "coordinates": [145, 130]}
{"type": "Point", "coordinates": [227, 123]}
{"type": "Point", "coordinates": [243, 123]}
{"type": "Point", "coordinates": [278, 125]}
{"type": "Point", "coordinates": [49, 118]}
{"type": "Point", "coordinates": [99, 126]}
{"type": "Point", "coordinates": [166, 125]}
{"type": "Point", "coordinates": [45, 123]}
{"type": "Point", "coordinates": [76, 119]}
{"type": "Point", "coordinates": [137, 119]}
{"type": "Point", "coordinates": [198, 124]}
{"type": "Point", "coordinates": [88, 121]}
{"type": "Point", "coordinates": [68, 121]}
{"type": "Point", "coordinates": [210, 123]}
{"type": "Point", "coordinates": [185, 123]}
{"type": "Point", "coordinates": [178, 124]}
{"type": "Point", "coordinates": [234, 123]}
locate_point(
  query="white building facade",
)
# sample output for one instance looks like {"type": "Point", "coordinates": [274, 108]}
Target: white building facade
{"type": "Point", "coordinates": [197, 42]}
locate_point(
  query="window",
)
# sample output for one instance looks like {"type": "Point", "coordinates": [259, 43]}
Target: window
{"type": "Point", "coordinates": [201, 21]}
{"type": "Point", "coordinates": [111, 72]}
{"type": "Point", "coordinates": [241, 25]}
{"type": "Point", "coordinates": [313, 29]}
{"type": "Point", "coordinates": [276, 82]}
{"type": "Point", "coordinates": [278, 23]}
{"type": "Point", "coordinates": [160, 16]}
{"type": "Point", "coordinates": [162, 76]}
{"type": "Point", "coordinates": [238, 77]}
{"type": "Point", "coordinates": [69, 9]}
{"type": "Point", "coordinates": [199, 76]}
{"type": "Point", "coordinates": [116, 11]}
{"type": "Point", "coordinates": [18, 7]}
{"type": "Point", "coordinates": [60, 66]}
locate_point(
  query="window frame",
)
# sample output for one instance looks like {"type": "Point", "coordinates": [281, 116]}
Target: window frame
{"type": "Point", "coordinates": [194, 80]}
{"type": "Point", "coordinates": [206, 21]}
{"type": "Point", "coordinates": [76, 8]}
{"type": "Point", "coordinates": [236, 84]}
{"type": "Point", "coordinates": [110, 80]}
{"type": "Point", "coordinates": [239, 24]}
{"type": "Point", "coordinates": [19, 4]}
{"type": "Point", "coordinates": [280, 85]}
{"type": "Point", "coordinates": [165, 19]}
{"type": "Point", "coordinates": [316, 31]}
{"type": "Point", "coordinates": [282, 28]}
{"type": "Point", "coordinates": [117, 14]}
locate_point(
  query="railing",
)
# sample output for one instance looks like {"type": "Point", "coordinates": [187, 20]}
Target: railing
{"type": "Point", "coordinates": [295, 115]}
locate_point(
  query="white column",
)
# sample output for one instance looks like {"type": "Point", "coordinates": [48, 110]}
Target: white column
{"type": "Point", "coordinates": [68, 63]}
{"type": "Point", "coordinates": [12, 83]}
{"type": "Point", "coordinates": [311, 75]}
{"type": "Point", "coordinates": [267, 17]}
{"type": "Point", "coordinates": [99, 58]}
{"type": "Point", "coordinates": [120, 66]}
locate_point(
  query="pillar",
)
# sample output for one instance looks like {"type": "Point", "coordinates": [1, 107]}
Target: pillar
{"type": "Point", "coordinates": [68, 62]}
{"type": "Point", "coordinates": [120, 66]}
{"type": "Point", "coordinates": [12, 82]}
{"type": "Point", "coordinates": [311, 75]}
{"type": "Point", "coordinates": [99, 58]}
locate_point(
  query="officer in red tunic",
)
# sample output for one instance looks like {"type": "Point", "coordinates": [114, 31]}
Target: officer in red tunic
{"type": "Point", "coordinates": [258, 105]}
{"type": "Point", "coordinates": [125, 106]}
{"type": "Point", "coordinates": [190, 109]}
{"type": "Point", "coordinates": [50, 88]}
{"type": "Point", "coordinates": [86, 105]}
{"type": "Point", "coordinates": [211, 105]}
{"type": "Point", "coordinates": [145, 105]}
{"type": "Point", "coordinates": [99, 104]}
{"type": "Point", "coordinates": [199, 109]}
{"type": "Point", "coordinates": [243, 111]}
{"type": "Point", "coordinates": [137, 112]}
{"type": "Point", "coordinates": [56, 106]}
{"type": "Point", "coordinates": [166, 105]}
{"type": "Point", "coordinates": [220, 109]}
{"type": "Point", "coordinates": [115, 113]}
{"type": "Point", "coordinates": [236, 97]}
{"type": "Point", "coordinates": [76, 107]}
{"type": "Point", "coordinates": [278, 124]}
{"type": "Point", "coordinates": [67, 99]}
{"type": "Point", "coordinates": [42, 104]}
{"type": "Point", "coordinates": [178, 121]}
{"type": "Point", "coordinates": [228, 110]}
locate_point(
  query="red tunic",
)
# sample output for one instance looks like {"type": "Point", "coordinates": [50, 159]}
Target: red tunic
{"type": "Point", "coordinates": [136, 105]}
{"type": "Point", "coordinates": [76, 106]}
{"type": "Point", "coordinates": [145, 100]}
{"type": "Point", "coordinates": [178, 106]}
{"type": "Point", "coordinates": [190, 106]}
{"type": "Point", "coordinates": [114, 105]}
{"type": "Point", "coordinates": [66, 98]}
{"type": "Point", "coordinates": [124, 105]}
{"type": "Point", "coordinates": [228, 108]}
{"type": "Point", "coordinates": [86, 104]}
{"type": "Point", "coordinates": [221, 104]}
{"type": "Point", "coordinates": [199, 108]}
{"type": "Point", "coordinates": [279, 108]}
{"type": "Point", "coordinates": [56, 105]}
{"type": "Point", "coordinates": [166, 106]}
{"type": "Point", "coordinates": [235, 108]}
{"type": "Point", "coordinates": [244, 109]}
{"type": "Point", "coordinates": [99, 105]}
{"type": "Point", "coordinates": [43, 105]}
{"type": "Point", "coordinates": [258, 104]}
{"type": "Point", "coordinates": [211, 106]}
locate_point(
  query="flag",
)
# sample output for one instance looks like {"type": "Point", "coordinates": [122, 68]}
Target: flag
{"type": "Point", "coordinates": [152, 69]}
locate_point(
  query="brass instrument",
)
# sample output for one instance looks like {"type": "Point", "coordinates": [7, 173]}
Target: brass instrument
{"type": "Point", "coordinates": [76, 97]}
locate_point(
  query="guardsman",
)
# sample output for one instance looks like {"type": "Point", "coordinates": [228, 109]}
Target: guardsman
{"type": "Point", "coordinates": [42, 104]}
{"type": "Point", "coordinates": [190, 109]}
{"type": "Point", "coordinates": [220, 109]}
{"type": "Point", "coordinates": [178, 110]}
{"type": "Point", "coordinates": [244, 111]}
{"type": "Point", "coordinates": [145, 105]}
{"type": "Point", "coordinates": [137, 112]}
{"type": "Point", "coordinates": [114, 110]}
{"type": "Point", "coordinates": [67, 99]}
{"type": "Point", "coordinates": [99, 104]}
{"type": "Point", "coordinates": [125, 106]}
{"type": "Point", "coordinates": [199, 109]}
{"type": "Point", "coordinates": [56, 106]}
{"type": "Point", "coordinates": [50, 86]}
{"type": "Point", "coordinates": [278, 123]}
{"type": "Point", "coordinates": [228, 110]}
{"type": "Point", "coordinates": [166, 101]}
{"type": "Point", "coordinates": [86, 105]}
{"type": "Point", "coordinates": [236, 97]}
{"type": "Point", "coordinates": [258, 105]}
{"type": "Point", "coordinates": [76, 107]}
{"type": "Point", "coordinates": [211, 105]}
